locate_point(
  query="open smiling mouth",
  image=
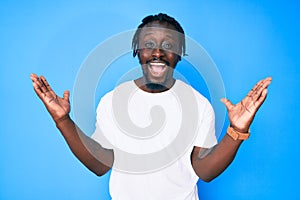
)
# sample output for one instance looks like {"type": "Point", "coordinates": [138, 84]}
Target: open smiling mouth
{"type": "Point", "coordinates": [157, 68]}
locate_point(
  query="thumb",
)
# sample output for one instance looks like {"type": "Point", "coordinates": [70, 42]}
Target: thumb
{"type": "Point", "coordinates": [67, 95]}
{"type": "Point", "coordinates": [227, 103]}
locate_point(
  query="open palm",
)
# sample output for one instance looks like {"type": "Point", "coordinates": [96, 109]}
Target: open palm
{"type": "Point", "coordinates": [57, 107]}
{"type": "Point", "coordinates": [242, 114]}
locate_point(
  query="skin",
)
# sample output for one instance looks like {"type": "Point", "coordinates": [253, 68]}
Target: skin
{"type": "Point", "coordinates": [158, 44]}
{"type": "Point", "coordinates": [241, 116]}
{"type": "Point", "coordinates": [153, 49]}
{"type": "Point", "coordinates": [96, 158]}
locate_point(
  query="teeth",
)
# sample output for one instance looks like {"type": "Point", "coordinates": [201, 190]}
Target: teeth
{"type": "Point", "coordinates": [157, 64]}
{"type": "Point", "coordinates": [157, 68]}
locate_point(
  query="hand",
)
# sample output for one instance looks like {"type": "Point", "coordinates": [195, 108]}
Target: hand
{"type": "Point", "coordinates": [56, 106]}
{"type": "Point", "coordinates": [242, 114]}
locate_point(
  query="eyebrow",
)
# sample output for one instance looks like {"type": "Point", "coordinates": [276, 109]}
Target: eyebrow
{"type": "Point", "coordinates": [167, 35]}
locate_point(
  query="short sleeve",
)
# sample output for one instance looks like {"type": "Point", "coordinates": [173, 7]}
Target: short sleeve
{"type": "Point", "coordinates": [102, 117]}
{"type": "Point", "coordinates": [206, 137]}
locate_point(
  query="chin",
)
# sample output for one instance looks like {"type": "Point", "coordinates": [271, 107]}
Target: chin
{"type": "Point", "coordinates": [160, 81]}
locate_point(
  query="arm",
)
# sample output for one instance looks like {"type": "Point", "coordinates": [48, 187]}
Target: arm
{"type": "Point", "coordinates": [98, 159]}
{"type": "Point", "coordinates": [240, 116]}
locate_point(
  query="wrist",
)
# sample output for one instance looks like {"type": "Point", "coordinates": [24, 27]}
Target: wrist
{"type": "Point", "coordinates": [62, 119]}
{"type": "Point", "coordinates": [240, 130]}
{"type": "Point", "coordinates": [237, 135]}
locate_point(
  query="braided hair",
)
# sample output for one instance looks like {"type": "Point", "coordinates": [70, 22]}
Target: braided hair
{"type": "Point", "coordinates": [160, 18]}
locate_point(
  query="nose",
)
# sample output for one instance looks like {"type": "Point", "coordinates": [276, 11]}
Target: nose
{"type": "Point", "coordinates": [158, 53]}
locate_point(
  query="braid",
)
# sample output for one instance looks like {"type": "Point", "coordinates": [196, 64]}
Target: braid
{"type": "Point", "coordinates": [160, 18]}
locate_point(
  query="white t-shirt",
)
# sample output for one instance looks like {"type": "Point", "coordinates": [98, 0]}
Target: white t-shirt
{"type": "Point", "coordinates": [123, 123]}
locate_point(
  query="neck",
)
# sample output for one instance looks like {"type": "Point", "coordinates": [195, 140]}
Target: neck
{"type": "Point", "coordinates": [154, 87]}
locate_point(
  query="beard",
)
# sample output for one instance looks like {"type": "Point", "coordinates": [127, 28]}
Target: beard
{"type": "Point", "coordinates": [156, 86]}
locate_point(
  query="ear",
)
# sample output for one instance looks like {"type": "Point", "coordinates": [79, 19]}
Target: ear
{"type": "Point", "coordinates": [138, 53]}
{"type": "Point", "coordinates": [179, 54]}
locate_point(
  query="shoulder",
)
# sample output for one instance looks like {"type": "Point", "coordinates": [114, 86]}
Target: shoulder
{"type": "Point", "coordinates": [196, 94]}
{"type": "Point", "coordinates": [106, 99]}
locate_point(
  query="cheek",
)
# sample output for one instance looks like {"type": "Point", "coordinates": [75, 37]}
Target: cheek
{"type": "Point", "coordinates": [144, 55]}
{"type": "Point", "coordinates": [173, 58]}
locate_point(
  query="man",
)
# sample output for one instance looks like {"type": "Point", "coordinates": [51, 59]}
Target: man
{"type": "Point", "coordinates": [159, 43]}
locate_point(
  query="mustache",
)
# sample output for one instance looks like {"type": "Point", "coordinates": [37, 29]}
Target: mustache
{"type": "Point", "coordinates": [158, 60]}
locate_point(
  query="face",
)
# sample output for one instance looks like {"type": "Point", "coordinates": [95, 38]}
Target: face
{"type": "Point", "coordinates": [158, 52]}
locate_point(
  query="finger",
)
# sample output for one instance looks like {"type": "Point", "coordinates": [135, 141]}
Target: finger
{"type": "Point", "coordinates": [47, 86]}
{"type": "Point", "coordinates": [45, 82]}
{"type": "Point", "coordinates": [268, 79]}
{"type": "Point", "coordinates": [262, 98]}
{"type": "Point", "coordinates": [267, 82]}
{"type": "Point", "coordinates": [33, 76]}
{"type": "Point", "coordinates": [258, 88]}
{"type": "Point", "coordinates": [263, 85]}
{"type": "Point", "coordinates": [253, 90]}
{"type": "Point", "coordinates": [36, 83]}
{"type": "Point", "coordinates": [67, 95]}
{"type": "Point", "coordinates": [227, 103]}
{"type": "Point", "coordinates": [40, 84]}
{"type": "Point", "coordinates": [257, 92]}
{"type": "Point", "coordinates": [38, 90]}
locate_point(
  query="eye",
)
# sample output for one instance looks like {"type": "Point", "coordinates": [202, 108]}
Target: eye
{"type": "Point", "coordinates": [167, 45]}
{"type": "Point", "coordinates": [150, 44]}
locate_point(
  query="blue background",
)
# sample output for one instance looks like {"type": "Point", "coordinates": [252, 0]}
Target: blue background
{"type": "Point", "coordinates": [248, 40]}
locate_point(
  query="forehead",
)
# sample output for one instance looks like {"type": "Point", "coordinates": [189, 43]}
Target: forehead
{"type": "Point", "coordinates": [159, 29]}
